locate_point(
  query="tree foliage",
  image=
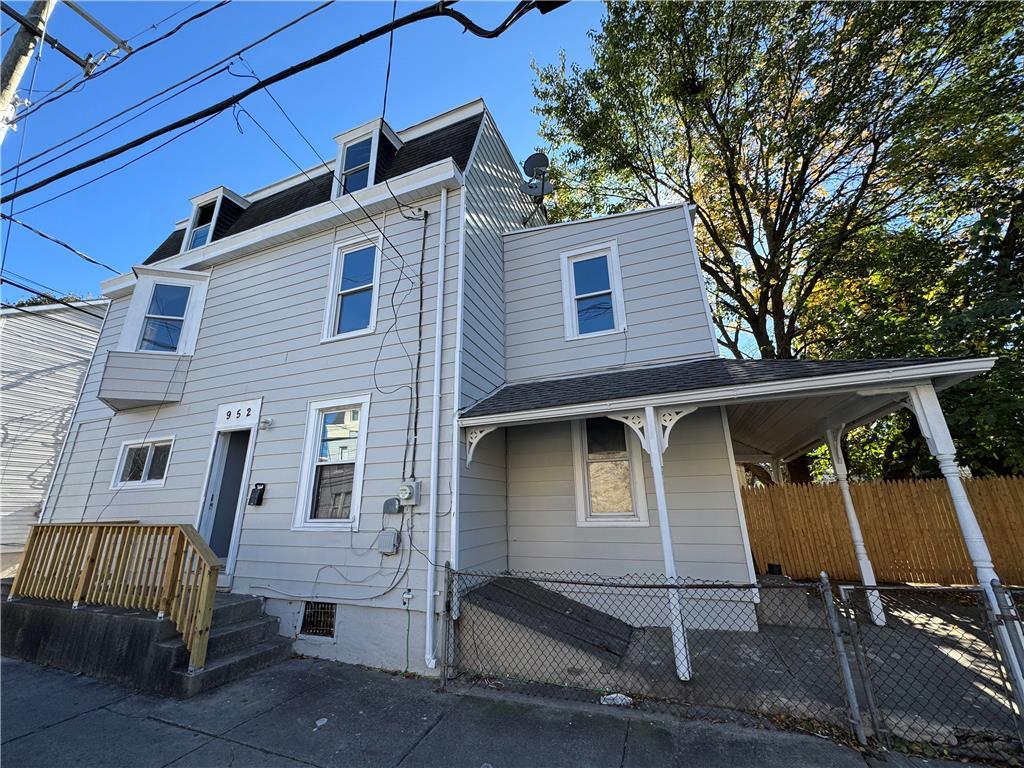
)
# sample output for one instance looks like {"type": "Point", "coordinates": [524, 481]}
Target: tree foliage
{"type": "Point", "coordinates": [856, 170]}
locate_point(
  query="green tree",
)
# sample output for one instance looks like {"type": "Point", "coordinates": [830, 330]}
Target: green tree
{"type": "Point", "coordinates": [792, 127]}
{"type": "Point", "coordinates": [856, 170]}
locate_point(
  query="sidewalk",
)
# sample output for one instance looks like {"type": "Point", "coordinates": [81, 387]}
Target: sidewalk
{"type": "Point", "coordinates": [306, 712]}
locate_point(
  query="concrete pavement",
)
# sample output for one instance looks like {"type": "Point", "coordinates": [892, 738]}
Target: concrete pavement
{"type": "Point", "coordinates": [306, 712]}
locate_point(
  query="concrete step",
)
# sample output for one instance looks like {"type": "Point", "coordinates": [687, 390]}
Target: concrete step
{"type": "Point", "coordinates": [224, 639]}
{"type": "Point", "coordinates": [231, 666]}
{"type": "Point", "coordinates": [229, 608]}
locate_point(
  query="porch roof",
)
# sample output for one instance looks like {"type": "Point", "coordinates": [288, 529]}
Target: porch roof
{"type": "Point", "coordinates": [776, 407]}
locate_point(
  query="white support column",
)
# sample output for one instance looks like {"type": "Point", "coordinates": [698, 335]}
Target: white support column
{"type": "Point", "coordinates": [834, 440]}
{"type": "Point", "coordinates": [653, 443]}
{"type": "Point", "coordinates": [775, 469]}
{"type": "Point", "coordinates": [925, 404]}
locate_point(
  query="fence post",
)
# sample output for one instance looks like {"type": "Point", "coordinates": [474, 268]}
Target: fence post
{"type": "Point", "coordinates": [88, 567]}
{"type": "Point", "coordinates": [449, 629]}
{"type": "Point", "coordinates": [1006, 617]}
{"type": "Point", "coordinates": [170, 585]}
{"type": "Point", "coordinates": [844, 661]}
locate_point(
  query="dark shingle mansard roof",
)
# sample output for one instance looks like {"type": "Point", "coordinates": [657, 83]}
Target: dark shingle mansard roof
{"type": "Point", "coordinates": [669, 379]}
{"type": "Point", "coordinates": [454, 141]}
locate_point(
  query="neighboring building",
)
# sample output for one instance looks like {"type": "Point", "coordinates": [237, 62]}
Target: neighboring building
{"type": "Point", "coordinates": [290, 360]}
{"type": "Point", "coordinates": [45, 350]}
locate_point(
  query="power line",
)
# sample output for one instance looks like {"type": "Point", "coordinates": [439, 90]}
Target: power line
{"type": "Point", "coordinates": [148, 152]}
{"type": "Point", "coordinates": [23, 287]}
{"type": "Point", "coordinates": [123, 123]}
{"type": "Point", "coordinates": [21, 139]}
{"type": "Point", "coordinates": [59, 242]}
{"type": "Point", "coordinates": [203, 71]}
{"type": "Point", "coordinates": [41, 316]}
{"type": "Point", "coordinates": [119, 62]}
{"type": "Point", "coordinates": [44, 286]}
{"type": "Point", "coordinates": [442, 8]}
{"type": "Point", "coordinates": [162, 21]}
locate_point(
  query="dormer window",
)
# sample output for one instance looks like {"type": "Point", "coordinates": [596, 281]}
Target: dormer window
{"type": "Point", "coordinates": [356, 165]}
{"type": "Point", "coordinates": [213, 213]}
{"type": "Point", "coordinates": [202, 225]}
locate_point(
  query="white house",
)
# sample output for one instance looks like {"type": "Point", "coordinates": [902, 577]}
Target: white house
{"type": "Point", "coordinates": [45, 349]}
{"type": "Point", "coordinates": [352, 376]}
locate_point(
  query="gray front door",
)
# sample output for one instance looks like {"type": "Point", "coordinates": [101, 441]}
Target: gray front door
{"type": "Point", "coordinates": [225, 489]}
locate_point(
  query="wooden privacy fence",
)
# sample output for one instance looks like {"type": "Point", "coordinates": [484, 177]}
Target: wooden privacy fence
{"type": "Point", "coordinates": [910, 530]}
{"type": "Point", "coordinates": [168, 569]}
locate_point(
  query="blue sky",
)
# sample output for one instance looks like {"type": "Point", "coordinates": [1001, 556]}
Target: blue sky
{"type": "Point", "coordinates": [121, 218]}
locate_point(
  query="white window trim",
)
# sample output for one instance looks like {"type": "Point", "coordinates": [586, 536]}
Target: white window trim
{"type": "Point", "coordinates": [186, 244]}
{"type": "Point", "coordinates": [327, 333]}
{"type": "Point", "coordinates": [339, 163]}
{"type": "Point", "coordinates": [216, 196]}
{"type": "Point", "coordinates": [122, 455]}
{"type": "Point", "coordinates": [131, 330]}
{"type": "Point", "coordinates": [304, 495]}
{"type": "Point", "coordinates": [636, 470]}
{"type": "Point", "coordinates": [611, 250]}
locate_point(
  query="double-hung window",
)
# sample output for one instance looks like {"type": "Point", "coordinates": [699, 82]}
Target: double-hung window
{"type": "Point", "coordinates": [331, 477]}
{"type": "Point", "coordinates": [202, 226]}
{"type": "Point", "coordinates": [592, 292]}
{"type": "Point", "coordinates": [609, 474]}
{"type": "Point", "coordinates": [165, 318]}
{"type": "Point", "coordinates": [355, 165]}
{"type": "Point", "coordinates": [352, 301]}
{"type": "Point", "coordinates": [142, 464]}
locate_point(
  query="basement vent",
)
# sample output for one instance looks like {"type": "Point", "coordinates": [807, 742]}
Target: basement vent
{"type": "Point", "coordinates": [318, 619]}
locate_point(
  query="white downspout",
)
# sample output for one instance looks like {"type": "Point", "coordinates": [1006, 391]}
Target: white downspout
{"type": "Point", "coordinates": [456, 453]}
{"type": "Point", "coordinates": [430, 657]}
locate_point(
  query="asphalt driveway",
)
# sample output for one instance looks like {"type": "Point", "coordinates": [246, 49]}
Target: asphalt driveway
{"type": "Point", "coordinates": [307, 712]}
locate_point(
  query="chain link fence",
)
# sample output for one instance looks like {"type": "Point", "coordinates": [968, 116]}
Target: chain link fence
{"type": "Point", "coordinates": [904, 668]}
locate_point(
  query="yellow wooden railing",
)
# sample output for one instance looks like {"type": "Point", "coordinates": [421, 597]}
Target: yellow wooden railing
{"type": "Point", "coordinates": [168, 569]}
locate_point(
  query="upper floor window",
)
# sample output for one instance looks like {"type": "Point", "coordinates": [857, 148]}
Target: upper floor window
{"type": "Point", "coordinates": [355, 167]}
{"type": "Point", "coordinates": [202, 225]}
{"type": "Point", "coordinates": [609, 474]}
{"type": "Point", "coordinates": [165, 311]}
{"type": "Point", "coordinates": [352, 297]}
{"type": "Point", "coordinates": [165, 318]}
{"type": "Point", "coordinates": [592, 290]}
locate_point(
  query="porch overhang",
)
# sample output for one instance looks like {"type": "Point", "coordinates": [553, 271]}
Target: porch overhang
{"type": "Point", "coordinates": [777, 408]}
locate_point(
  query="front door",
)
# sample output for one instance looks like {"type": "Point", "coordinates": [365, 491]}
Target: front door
{"type": "Point", "coordinates": [225, 490]}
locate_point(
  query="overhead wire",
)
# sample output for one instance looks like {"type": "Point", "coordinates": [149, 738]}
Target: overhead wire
{"type": "Point", "coordinates": [24, 133]}
{"type": "Point", "coordinates": [439, 9]}
{"type": "Point", "coordinates": [119, 62]}
{"type": "Point", "coordinates": [158, 94]}
{"type": "Point", "coordinates": [164, 20]}
{"type": "Point", "coordinates": [135, 159]}
{"type": "Point", "coordinates": [44, 286]}
{"type": "Point", "coordinates": [59, 242]}
{"type": "Point", "coordinates": [54, 299]}
{"type": "Point", "coordinates": [41, 316]}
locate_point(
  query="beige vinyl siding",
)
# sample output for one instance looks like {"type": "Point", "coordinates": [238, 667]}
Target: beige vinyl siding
{"type": "Point", "coordinates": [260, 337]}
{"type": "Point", "coordinates": [494, 205]}
{"type": "Point", "coordinates": [45, 355]}
{"type": "Point", "coordinates": [665, 311]}
{"type": "Point", "coordinates": [706, 535]}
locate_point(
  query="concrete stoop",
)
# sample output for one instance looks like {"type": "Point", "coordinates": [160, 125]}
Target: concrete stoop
{"type": "Point", "coordinates": [133, 648]}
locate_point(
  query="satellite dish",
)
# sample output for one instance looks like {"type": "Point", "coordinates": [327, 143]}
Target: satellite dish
{"type": "Point", "coordinates": [536, 165]}
{"type": "Point", "coordinates": [536, 188]}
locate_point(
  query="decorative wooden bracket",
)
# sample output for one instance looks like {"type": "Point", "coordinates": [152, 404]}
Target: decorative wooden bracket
{"type": "Point", "coordinates": [667, 418]}
{"type": "Point", "coordinates": [473, 436]}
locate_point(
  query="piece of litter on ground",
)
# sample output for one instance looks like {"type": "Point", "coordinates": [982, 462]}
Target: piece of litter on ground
{"type": "Point", "coordinates": [320, 723]}
{"type": "Point", "coordinates": [617, 699]}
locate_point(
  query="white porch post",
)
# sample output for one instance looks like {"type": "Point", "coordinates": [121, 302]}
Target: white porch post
{"type": "Point", "coordinates": [776, 471]}
{"type": "Point", "coordinates": [834, 439]}
{"type": "Point", "coordinates": [925, 404]}
{"type": "Point", "coordinates": [654, 450]}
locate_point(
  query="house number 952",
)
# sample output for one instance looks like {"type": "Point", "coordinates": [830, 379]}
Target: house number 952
{"type": "Point", "coordinates": [238, 414]}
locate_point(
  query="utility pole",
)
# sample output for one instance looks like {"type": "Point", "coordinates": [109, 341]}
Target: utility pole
{"type": "Point", "coordinates": [16, 59]}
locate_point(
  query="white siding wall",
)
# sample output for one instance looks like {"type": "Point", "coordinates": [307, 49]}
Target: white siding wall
{"type": "Point", "coordinates": [494, 205]}
{"type": "Point", "coordinates": [260, 337]}
{"type": "Point", "coordinates": [45, 355]}
{"type": "Point", "coordinates": [706, 530]}
{"type": "Point", "coordinates": [664, 302]}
